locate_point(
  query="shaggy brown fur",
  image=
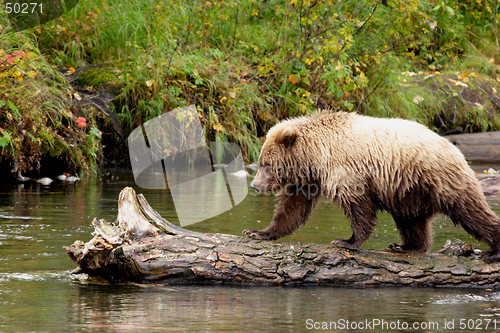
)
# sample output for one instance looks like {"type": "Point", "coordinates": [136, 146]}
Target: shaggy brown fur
{"type": "Point", "coordinates": [369, 164]}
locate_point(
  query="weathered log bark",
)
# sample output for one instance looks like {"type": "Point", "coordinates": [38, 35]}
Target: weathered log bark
{"type": "Point", "coordinates": [478, 147]}
{"type": "Point", "coordinates": [142, 247]}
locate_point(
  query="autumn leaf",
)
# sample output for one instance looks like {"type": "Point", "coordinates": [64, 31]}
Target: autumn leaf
{"type": "Point", "coordinates": [19, 54]}
{"type": "Point", "coordinates": [418, 99]}
{"type": "Point", "coordinates": [218, 127]}
{"type": "Point", "coordinates": [81, 121]}
{"type": "Point", "coordinates": [31, 74]}
{"type": "Point", "coordinates": [293, 79]}
{"type": "Point", "coordinates": [463, 76]}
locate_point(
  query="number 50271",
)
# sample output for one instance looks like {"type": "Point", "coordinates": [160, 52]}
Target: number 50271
{"type": "Point", "coordinates": [23, 8]}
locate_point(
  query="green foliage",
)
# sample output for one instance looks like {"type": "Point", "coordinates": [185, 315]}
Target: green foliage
{"type": "Point", "coordinates": [93, 149]}
{"type": "Point", "coordinates": [247, 64]}
{"type": "Point", "coordinates": [35, 120]}
{"type": "Point", "coordinates": [5, 139]}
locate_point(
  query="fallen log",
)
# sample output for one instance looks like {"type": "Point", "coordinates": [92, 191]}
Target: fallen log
{"type": "Point", "coordinates": [478, 147]}
{"type": "Point", "coordinates": [140, 246]}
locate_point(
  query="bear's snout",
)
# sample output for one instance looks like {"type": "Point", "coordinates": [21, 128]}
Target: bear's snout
{"type": "Point", "coordinates": [261, 188]}
{"type": "Point", "coordinates": [262, 181]}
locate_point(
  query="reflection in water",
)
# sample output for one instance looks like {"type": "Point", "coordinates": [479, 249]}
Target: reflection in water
{"type": "Point", "coordinates": [270, 309]}
{"type": "Point", "coordinates": [37, 292]}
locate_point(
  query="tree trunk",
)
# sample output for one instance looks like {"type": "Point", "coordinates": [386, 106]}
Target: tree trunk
{"type": "Point", "coordinates": [142, 247]}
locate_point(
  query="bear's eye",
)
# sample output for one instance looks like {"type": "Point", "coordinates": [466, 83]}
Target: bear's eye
{"type": "Point", "coordinates": [268, 171]}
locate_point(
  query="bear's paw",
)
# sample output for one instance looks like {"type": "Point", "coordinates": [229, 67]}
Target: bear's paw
{"type": "Point", "coordinates": [491, 256]}
{"type": "Point", "coordinates": [345, 243]}
{"type": "Point", "coordinates": [258, 235]}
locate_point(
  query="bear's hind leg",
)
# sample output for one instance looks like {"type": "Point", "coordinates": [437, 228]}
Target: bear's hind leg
{"type": "Point", "coordinates": [363, 217]}
{"type": "Point", "coordinates": [292, 211]}
{"type": "Point", "coordinates": [416, 234]}
{"type": "Point", "coordinates": [475, 216]}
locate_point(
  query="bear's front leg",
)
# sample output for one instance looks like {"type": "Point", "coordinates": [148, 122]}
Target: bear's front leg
{"type": "Point", "coordinates": [363, 216]}
{"type": "Point", "coordinates": [292, 211]}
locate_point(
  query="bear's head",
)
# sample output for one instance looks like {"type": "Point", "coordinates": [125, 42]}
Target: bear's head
{"type": "Point", "coordinates": [280, 161]}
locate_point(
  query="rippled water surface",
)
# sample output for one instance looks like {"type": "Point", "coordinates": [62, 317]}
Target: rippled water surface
{"type": "Point", "coordinates": [38, 294]}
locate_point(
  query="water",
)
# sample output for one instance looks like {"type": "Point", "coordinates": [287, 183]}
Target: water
{"type": "Point", "coordinates": [38, 293]}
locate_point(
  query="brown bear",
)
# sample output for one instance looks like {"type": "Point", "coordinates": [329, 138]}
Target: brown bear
{"type": "Point", "coordinates": [369, 164]}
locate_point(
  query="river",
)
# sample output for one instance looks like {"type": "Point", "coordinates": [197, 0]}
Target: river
{"type": "Point", "coordinates": [38, 293]}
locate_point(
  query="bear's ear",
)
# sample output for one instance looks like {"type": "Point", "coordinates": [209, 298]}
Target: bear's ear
{"type": "Point", "coordinates": [287, 138]}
